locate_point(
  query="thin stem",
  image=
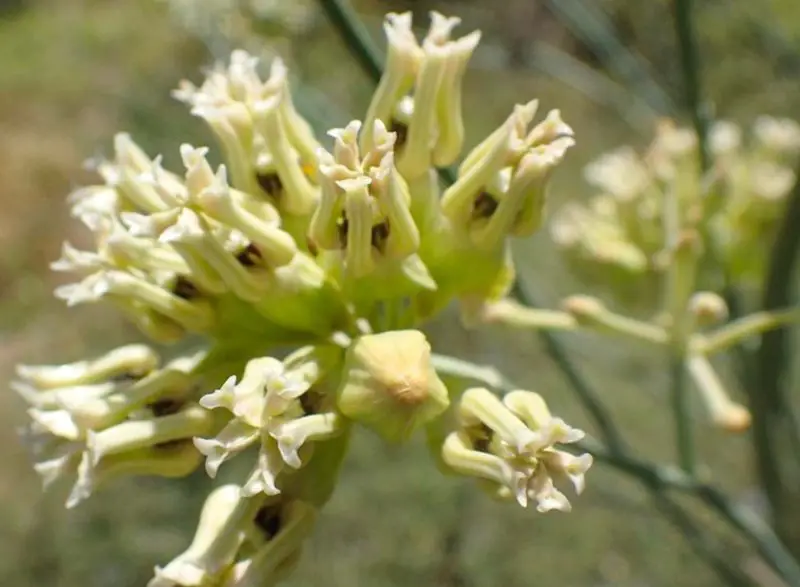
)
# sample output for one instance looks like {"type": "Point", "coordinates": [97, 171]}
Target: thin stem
{"type": "Point", "coordinates": [729, 574]}
{"type": "Point", "coordinates": [775, 429]}
{"type": "Point", "coordinates": [682, 409]}
{"type": "Point", "coordinates": [690, 66]}
{"type": "Point", "coordinates": [738, 330]}
{"type": "Point", "coordinates": [511, 313]}
{"type": "Point", "coordinates": [355, 36]}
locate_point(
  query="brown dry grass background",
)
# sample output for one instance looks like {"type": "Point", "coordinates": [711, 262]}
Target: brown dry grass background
{"type": "Point", "coordinates": [73, 72]}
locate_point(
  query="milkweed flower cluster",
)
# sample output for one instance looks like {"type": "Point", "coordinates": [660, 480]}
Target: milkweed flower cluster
{"type": "Point", "coordinates": [339, 253]}
{"type": "Point", "coordinates": [736, 205]}
{"type": "Point", "coordinates": [659, 223]}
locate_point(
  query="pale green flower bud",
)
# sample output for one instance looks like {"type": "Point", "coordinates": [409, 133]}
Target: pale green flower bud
{"type": "Point", "coordinates": [708, 308]}
{"type": "Point", "coordinates": [77, 261]}
{"type": "Point", "coordinates": [510, 443]}
{"type": "Point", "coordinates": [92, 204]}
{"type": "Point", "coordinates": [192, 236]}
{"type": "Point", "coordinates": [192, 420]}
{"type": "Point", "coordinates": [389, 384]}
{"type": "Point", "coordinates": [403, 58]}
{"type": "Point", "coordinates": [502, 183]}
{"type": "Point", "coordinates": [196, 315]}
{"type": "Point", "coordinates": [166, 384]}
{"type": "Point", "coordinates": [277, 247]}
{"type": "Point", "coordinates": [53, 399]}
{"type": "Point", "coordinates": [126, 172]}
{"type": "Point", "coordinates": [132, 361]}
{"type": "Point", "coordinates": [449, 116]}
{"type": "Point", "coordinates": [144, 253]}
{"type": "Point", "coordinates": [299, 194]}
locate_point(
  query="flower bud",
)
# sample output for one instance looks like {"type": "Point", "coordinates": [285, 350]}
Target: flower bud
{"type": "Point", "coordinates": [724, 412]}
{"type": "Point", "coordinates": [708, 308]}
{"type": "Point", "coordinates": [192, 420]}
{"type": "Point", "coordinates": [277, 246]}
{"type": "Point", "coordinates": [127, 362]}
{"type": "Point", "coordinates": [131, 175]}
{"type": "Point", "coordinates": [390, 385]}
{"type": "Point", "coordinates": [403, 58]}
{"type": "Point", "coordinates": [299, 194]}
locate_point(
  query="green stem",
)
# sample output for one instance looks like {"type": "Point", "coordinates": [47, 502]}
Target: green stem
{"type": "Point", "coordinates": [690, 66]}
{"type": "Point", "coordinates": [714, 554]}
{"type": "Point", "coordinates": [681, 405]}
{"type": "Point", "coordinates": [775, 429]}
{"type": "Point", "coordinates": [737, 331]}
{"type": "Point", "coordinates": [355, 36]}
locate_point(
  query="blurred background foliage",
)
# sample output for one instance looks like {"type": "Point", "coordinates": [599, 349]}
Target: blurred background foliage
{"type": "Point", "coordinates": [73, 72]}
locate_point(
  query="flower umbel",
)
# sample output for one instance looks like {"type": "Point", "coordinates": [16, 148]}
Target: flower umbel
{"type": "Point", "coordinates": [304, 274]}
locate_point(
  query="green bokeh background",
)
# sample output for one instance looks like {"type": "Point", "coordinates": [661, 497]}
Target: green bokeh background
{"type": "Point", "coordinates": [73, 72]}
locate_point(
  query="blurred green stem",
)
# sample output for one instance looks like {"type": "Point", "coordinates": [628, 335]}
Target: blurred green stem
{"type": "Point", "coordinates": [690, 67]}
{"type": "Point", "coordinates": [355, 36]}
{"type": "Point", "coordinates": [775, 430]}
{"type": "Point", "coordinates": [681, 407]}
{"type": "Point", "coordinates": [589, 23]}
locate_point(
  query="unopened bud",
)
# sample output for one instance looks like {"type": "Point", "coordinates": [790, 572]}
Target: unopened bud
{"type": "Point", "coordinates": [390, 385]}
{"type": "Point", "coordinates": [708, 308]}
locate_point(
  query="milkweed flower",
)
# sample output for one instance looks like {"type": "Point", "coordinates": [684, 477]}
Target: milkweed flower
{"type": "Point", "coordinates": [510, 444]}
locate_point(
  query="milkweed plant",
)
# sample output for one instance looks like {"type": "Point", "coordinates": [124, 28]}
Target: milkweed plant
{"type": "Point", "coordinates": [341, 254]}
